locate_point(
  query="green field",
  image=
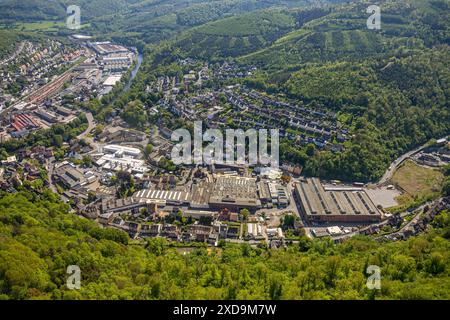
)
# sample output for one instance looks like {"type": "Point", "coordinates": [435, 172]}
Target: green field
{"type": "Point", "coordinates": [43, 26]}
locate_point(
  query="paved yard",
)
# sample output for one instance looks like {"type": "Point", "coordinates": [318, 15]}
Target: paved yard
{"type": "Point", "coordinates": [383, 197]}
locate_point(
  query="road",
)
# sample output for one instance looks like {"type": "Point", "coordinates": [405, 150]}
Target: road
{"type": "Point", "coordinates": [416, 216]}
{"type": "Point", "coordinates": [91, 126]}
{"type": "Point", "coordinates": [417, 213]}
{"type": "Point", "coordinates": [50, 168]}
{"type": "Point", "coordinates": [14, 55]}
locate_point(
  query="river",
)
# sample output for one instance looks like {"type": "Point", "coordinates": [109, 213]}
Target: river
{"type": "Point", "coordinates": [134, 72]}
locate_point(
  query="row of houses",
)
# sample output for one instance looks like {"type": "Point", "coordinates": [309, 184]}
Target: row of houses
{"type": "Point", "coordinates": [196, 232]}
{"type": "Point", "coordinates": [272, 113]}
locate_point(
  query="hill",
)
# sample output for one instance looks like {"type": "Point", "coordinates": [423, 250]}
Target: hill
{"type": "Point", "coordinates": [389, 86]}
{"type": "Point", "coordinates": [132, 20]}
{"type": "Point", "coordinates": [235, 36]}
{"type": "Point", "coordinates": [7, 41]}
{"type": "Point", "coordinates": [344, 35]}
{"type": "Point", "coordinates": [39, 239]}
{"type": "Point", "coordinates": [37, 10]}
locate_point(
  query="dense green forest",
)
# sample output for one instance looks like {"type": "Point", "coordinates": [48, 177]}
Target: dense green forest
{"type": "Point", "coordinates": [401, 103]}
{"type": "Point", "coordinates": [39, 239]}
{"type": "Point", "coordinates": [7, 41]}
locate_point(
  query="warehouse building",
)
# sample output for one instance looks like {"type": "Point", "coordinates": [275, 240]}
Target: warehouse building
{"type": "Point", "coordinates": [107, 48]}
{"type": "Point", "coordinates": [319, 205]}
{"type": "Point", "coordinates": [69, 176]}
{"type": "Point", "coordinates": [131, 204]}
{"type": "Point", "coordinates": [234, 193]}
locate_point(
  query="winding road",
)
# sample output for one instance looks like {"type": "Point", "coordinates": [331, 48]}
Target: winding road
{"type": "Point", "coordinates": [91, 126]}
{"type": "Point", "coordinates": [14, 55]}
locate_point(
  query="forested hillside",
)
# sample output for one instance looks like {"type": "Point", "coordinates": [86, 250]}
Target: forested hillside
{"type": "Point", "coordinates": [7, 42]}
{"type": "Point", "coordinates": [389, 86]}
{"type": "Point", "coordinates": [402, 103]}
{"type": "Point", "coordinates": [406, 26]}
{"type": "Point", "coordinates": [236, 35]}
{"type": "Point", "coordinates": [39, 239]}
{"type": "Point", "coordinates": [138, 21]}
{"type": "Point", "coordinates": [36, 10]}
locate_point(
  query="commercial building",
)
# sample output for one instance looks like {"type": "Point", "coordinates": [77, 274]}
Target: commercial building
{"type": "Point", "coordinates": [319, 205]}
{"type": "Point", "coordinates": [122, 150]}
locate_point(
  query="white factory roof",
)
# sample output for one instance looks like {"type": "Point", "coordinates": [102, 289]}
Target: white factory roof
{"type": "Point", "coordinates": [334, 230]}
{"type": "Point", "coordinates": [275, 232]}
{"type": "Point", "coordinates": [162, 194]}
{"type": "Point", "coordinates": [81, 37]}
{"type": "Point", "coordinates": [110, 162]}
{"type": "Point", "coordinates": [20, 105]}
{"type": "Point", "coordinates": [113, 148]}
{"type": "Point", "coordinates": [271, 173]}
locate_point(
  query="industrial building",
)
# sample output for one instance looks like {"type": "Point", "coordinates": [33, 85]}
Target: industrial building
{"type": "Point", "coordinates": [107, 48]}
{"type": "Point", "coordinates": [69, 176]}
{"type": "Point", "coordinates": [334, 205]}
{"type": "Point", "coordinates": [46, 115]}
{"type": "Point", "coordinates": [272, 194]}
{"type": "Point", "coordinates": [169, 197]}
{"type": "Point", "coordinates": [121, 158]}
{"type": "Point", "coordinates": [234, 193]}
{"type": "Point", "coordinates": [117, 63]}
{"type": "Point", "coordinates": [22, 122]}
{"type": "Point", "coordinates": [203, 199]}
{"type": "Point", "coordinates": [131, 204]}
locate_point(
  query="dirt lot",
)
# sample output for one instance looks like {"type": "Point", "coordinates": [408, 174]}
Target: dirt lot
{"type": "Point", "coordinates": [417, 181]}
